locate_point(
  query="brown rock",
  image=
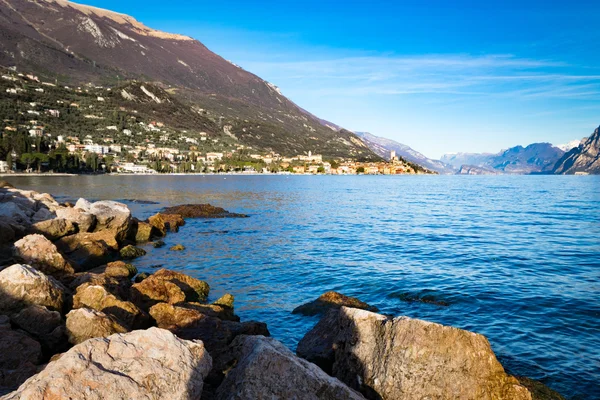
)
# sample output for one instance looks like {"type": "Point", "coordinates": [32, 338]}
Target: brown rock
{"type": "Point", "coordinates": [41, 253]}
{"type": "Point", "coordinates": [177, 247]}
{"type": "Point", "coordinates": [37, 320]}
{"type": "Point", "coordinates": [144, 232]}
{"type": "Point", "coordinates": [404, 358]}
{"type": "Point", "coordinates": [54, 229]}
{"type": "Point", "coordinates": [158, 223]}
{"type": "Point", "coordinates": [194, 289]}
{"type": "Point", "coordinates": [115, 285]}
{"type": "Point", "coordinates": [225, 301]}
{"type": "Point", "coordinates": [22, 286]}
{"type": "Point", "coordinates": [538, 390]}
{"type": "Point", "coordinates": [201, 211]}
{"type": "Point", "coordinates": [20, 355]}
{"type": "Point", "coordinates": [86, 323]}
{"type": "Point", "coordinates": [89, 250]}
{"type": "Point", "coordinates": [99, 299]}
{"type": "Point", "coordinates": [112, 216]}
{"type": "Point", "coordinates": [330, 300]}
{"type": "Point", "coordinates": [7, 234]}
{"type": "Point", "coordinates": [130, 252]}
{"type": "Point", "coordinates": [153, 291]}
{"type": "Point", "coordinates": [120, 269]}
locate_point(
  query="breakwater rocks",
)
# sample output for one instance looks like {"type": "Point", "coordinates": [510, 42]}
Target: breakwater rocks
{"type": "Point", "coordinates": [78, 321]}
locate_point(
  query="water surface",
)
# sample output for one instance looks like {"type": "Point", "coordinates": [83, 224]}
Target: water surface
{"type": "Point", "coordinates": [516, 258]}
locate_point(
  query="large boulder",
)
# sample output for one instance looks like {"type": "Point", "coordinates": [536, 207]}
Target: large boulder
{"type": "Point", "coordinates": [144, 232]}
{"type": "Point", "coordinates": [85, 221]}
{"type": "Point", "coordinates": [151, 364]}
{"type": "Point", "coordinates": [113, 216]}
{"type": "Point", "coordinates": [89, 250]}
{"type": "Point", "coordinates": [38, 251]}
{"type": "Point", "coordinates": [99, 299]}
{"type": "Point", "coordinates": [266, 369]}
{"type": "Point", "coordinates": [22, 286]}
{"type": "Point", "coordinates": [167, 286]}
{"type": "Point", "coordinates": [44, 325]}
{"type": "Point", "coordinates": [330, 300]}
{"type": "Point", "coordinates": [404, 358]}
{"type": "Point", "coordinates": [19, 356]}
{"type": "Point", "coordinates": [85, 323]}
{"type": "Point", "coordinates": [54, 229]}
{"type": "Point", "coordinates": [117, 285]}
{"type": "Point", "coordinates": [7, 233]}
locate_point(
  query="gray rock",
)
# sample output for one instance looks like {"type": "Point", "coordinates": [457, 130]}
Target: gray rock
{"type": "Point", "coordinates": [111, 215]}
{"type": "Point", "coordinates": [43, 214]}
{"type": "Point", "coordinates": [37, 320]}
{"type": "Point", "coordinates": [22, 286]}
{"type": "Point", "coordinates": [150, 364]}
{"type": "Point", "coordinates": [83, 204]}
{"type": "Point", "coordinates": [266, 369]}
{"type": "Point", "coordinates": [20, 355]}
{"type": "Point", "coordinates": [404, 358]}
{"type": "Point", "coordinates": [85, 221]}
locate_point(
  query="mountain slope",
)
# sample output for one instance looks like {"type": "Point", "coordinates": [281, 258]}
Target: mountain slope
{"type": "Point", "coordinates": [76, 44]}
{"type": "Point", "coordinates": [535, 158]}
{"type": "Point", "coordinates": [584, 158]}
{"type": "Point", "coordinates": [382, 147]}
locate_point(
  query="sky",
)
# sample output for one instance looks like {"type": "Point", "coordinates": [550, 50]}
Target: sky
{"type": "Point", "coordinates": [440, 76]}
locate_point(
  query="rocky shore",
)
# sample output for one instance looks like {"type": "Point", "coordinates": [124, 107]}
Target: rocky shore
{"type": "Point", "coordinates": [77, 321]}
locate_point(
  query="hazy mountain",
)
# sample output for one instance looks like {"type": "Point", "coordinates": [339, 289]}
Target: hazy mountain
{"type": "Point", "coordinates": [583, 159]}
{"type": "Point", "coordinates": [382, 147]}
{"type": "Point", "coordinates": [75, 44]}
{"type": "Point", "coordinates": [535, 158]}
{"type": "Point", "coordinates": [569, 146]}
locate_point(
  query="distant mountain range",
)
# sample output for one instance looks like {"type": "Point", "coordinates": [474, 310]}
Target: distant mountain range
{"type": "Point", "coordinates": [73, 44]}
{"type": "Point", "coordinates": [535, 158]}
{"type": "Point", "coordinates": [382, 147]}
{"type": "Point", "coordinates": [584, 158]}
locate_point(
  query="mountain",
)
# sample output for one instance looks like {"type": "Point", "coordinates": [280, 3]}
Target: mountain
{"type": "Point", "coordinates": [73, 44]}
{"type": "Point", "coordinates": [569, 146]}
{"type": "Point", "coordinates": [472, 170]}
{"type": "Point", "coordinates": [382, 147]}
{"type": "Point", "coordinates": [535, 158]}
{"type": "Point", "coordinates": [582, 159]}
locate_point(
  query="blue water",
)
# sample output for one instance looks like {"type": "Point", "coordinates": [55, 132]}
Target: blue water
{"type": "Point", "coordinates": [516, 258]}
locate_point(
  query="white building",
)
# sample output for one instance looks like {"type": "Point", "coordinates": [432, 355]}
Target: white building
{"type": "Point", "coordinates": [3, 167]}
{"type": "Point", "coordinates": [132, 168]}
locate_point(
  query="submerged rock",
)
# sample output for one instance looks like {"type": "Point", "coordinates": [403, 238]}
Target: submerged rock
{"type": "Point", "coordinates": [538, 390]}
{"type": "Point", "coordinates": [158, 244]}
{"type": "Point", "coordinates": [130, 252]}
{"type": "Point", "coordinates": [22, 286]}
{"type": "Point", "coordinates": [177, 247]}
{"type": "Point", "coordinates": [266, 369]}
{"type": "Point", "coordinates": [151, 364]}
{"type": "Point", "coordinates": [330, 300]}
{"type": "Point", "coordinates": [41, 253]}
{"type": "Point", "coordinates": [85, 323]}
{"type": "Point", "coordinates": [404, 358]}
{"type": "Point", "coordinates": [201, 211]}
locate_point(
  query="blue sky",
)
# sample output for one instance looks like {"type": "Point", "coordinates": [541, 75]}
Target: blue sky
{"type": "Point", "coordinates": [440, 76]}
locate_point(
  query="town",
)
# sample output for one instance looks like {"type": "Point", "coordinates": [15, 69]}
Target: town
{"type": "Point", "coordinates": [49, 128]}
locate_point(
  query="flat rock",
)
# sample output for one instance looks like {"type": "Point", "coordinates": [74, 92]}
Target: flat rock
{"type": "Point", "coordinates": [22, 286]}
{"type": "Point", "coordinates": [330, 300]}
{"type": "Point", "coordinates": [201, 211]}
{"type": "Point", "coordinates": [266, 369]}
{"type": "Point", "coordinates": [99, 299]}
{"type": "Point", "coordinates": [85, 221]}
{"type": "Point", "coordinates": [54, 229]}
{"type": "Point", "coordinates": [86, 323]}
{"type": "Point", "coordinates": [404, 358]}
{"type": "Point", "coordinates": [150, 364]}
{"type": "Point", "coordinates": [41, 253]}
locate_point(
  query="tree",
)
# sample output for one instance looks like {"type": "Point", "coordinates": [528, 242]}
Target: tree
{"type": "Point", "coordinates": [321, 170]}
{"type": "Point", "coordinates": [360, 170]}
{"type": "Point", "coordinates": [109, 162]}
{"type": "Point", "coordinates": [9, 161]}
{"type": "Point", "coordinates": [27, 159]}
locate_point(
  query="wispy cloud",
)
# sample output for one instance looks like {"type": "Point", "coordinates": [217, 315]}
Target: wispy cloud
{"type": "Point", "coordinates": [499, 75]}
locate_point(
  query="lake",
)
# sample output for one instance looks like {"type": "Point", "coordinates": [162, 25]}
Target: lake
{"type": "Point", "coordinates": [516, 258]}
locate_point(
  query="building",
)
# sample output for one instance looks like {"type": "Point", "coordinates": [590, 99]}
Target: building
{"type": "Point", "coordinates": [132, 168]}
{"type": "Point", "coordinates": [4, 167]}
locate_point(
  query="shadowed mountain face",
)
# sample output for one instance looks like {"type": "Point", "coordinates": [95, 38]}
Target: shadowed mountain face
{"type": "Point", "coordinates": [584, 159]}
{"type": "Point", "coordinates": [75, 44]}
{"type": "Point", "coordinates": [535, 158]}
{"type": "Point", "coordinates": [382, 147]}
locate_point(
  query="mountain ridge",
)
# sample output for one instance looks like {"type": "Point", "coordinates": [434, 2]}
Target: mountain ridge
{"type": "Point", "coordinates": [74, 44]}
{"type": "Point", "coordinates": [582, 159]}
